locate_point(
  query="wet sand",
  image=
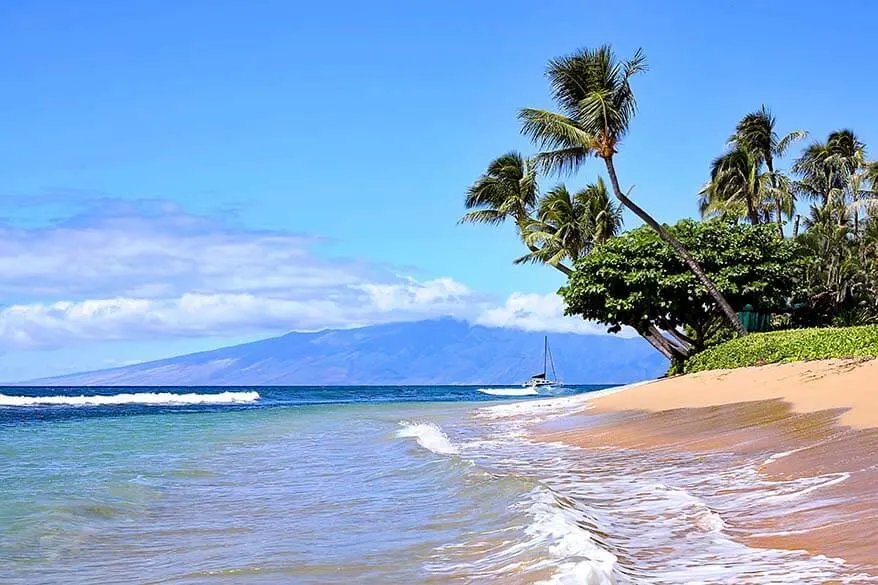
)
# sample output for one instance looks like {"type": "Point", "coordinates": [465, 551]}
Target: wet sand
{"type": "Point", "coordinates": [813, 425]}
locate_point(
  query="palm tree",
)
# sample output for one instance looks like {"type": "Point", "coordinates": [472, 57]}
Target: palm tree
{"type": "Point", "coordinates": [833, 173]}
{"type": "Point", "coordinates": [568, 225]}
{"type": "Point", "coordinates": [870, 175]}
{"type": "Point", "coordinates": [736, 186]}
{"type": "Point", "coordinates": [507, 190]}
{"type": "Point", "coordinates": [756, 134]}
{"type": "Point", "coordinates": [597, 104]}
{"type": "Point", "coordinates": [739, 188]}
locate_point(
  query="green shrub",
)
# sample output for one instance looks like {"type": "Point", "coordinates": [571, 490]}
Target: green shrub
{"type": "Point", "coordinates": [788, 346]}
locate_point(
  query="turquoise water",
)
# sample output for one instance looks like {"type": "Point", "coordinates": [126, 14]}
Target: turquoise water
{"type": "Point", "coordinates": [351, 485]}
{"type": "Point", "coordinates": [301, 485]}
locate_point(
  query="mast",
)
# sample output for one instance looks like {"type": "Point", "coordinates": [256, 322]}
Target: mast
{"type": "Point", "coordinates": [545, 353]}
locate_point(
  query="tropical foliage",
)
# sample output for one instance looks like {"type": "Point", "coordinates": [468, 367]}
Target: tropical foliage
{"type": "Point", "coordinates": [636, 280]}
{"type": "Point", "coordinates": [681, 287]}
{"type": "Point", "coordinates": [789, 346]}
{"type": "Point", "coordinates": [838, 183]}
{"type": "Point", "coordinates": [557, 226]}
{"type": "Point", "coordinates": [593, 92]}
{"type": "Point", "coordinates": [744, 182]}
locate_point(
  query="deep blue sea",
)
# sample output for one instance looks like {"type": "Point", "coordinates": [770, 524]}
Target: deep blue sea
{"type": "Point", "coordinates": [375, 485]}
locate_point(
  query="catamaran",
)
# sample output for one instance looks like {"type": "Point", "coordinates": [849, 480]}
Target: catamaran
{"type": "Point", "coordinates": [540, 379]}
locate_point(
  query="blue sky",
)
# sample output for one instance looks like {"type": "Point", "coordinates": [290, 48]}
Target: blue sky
{"type": "Point", "coordinates": [180, 175]}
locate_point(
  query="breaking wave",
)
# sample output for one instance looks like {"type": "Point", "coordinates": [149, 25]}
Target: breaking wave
{"type": "Point", "coordinates": [146, 398]}
{"type": "Point", "coordinates": [509, 391]}
{"type": "Point", "coordinates": [429, 436]}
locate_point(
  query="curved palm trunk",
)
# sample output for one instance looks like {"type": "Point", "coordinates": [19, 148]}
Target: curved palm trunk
{"type": "Point", "coordinates": [652, 335]}
{"type": "Point", "coordinates": [678, 248]}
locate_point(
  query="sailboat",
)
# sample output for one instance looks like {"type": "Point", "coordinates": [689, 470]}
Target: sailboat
{"type": "Point", "coordinates": [540, 379]}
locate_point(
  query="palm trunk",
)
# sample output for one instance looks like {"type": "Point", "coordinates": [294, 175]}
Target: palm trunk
{"type": "Point", "coordinates": [777, 206]}
{"type": "Point", "coordinates": [687, 343]}
{"type": "Point", "coordinates": [856, 200]}
{"type": "Point", "coordinates": [796, 225]}
{"type": "Point", "coordinates": [678, 247]}
{"type": "Point", "coordinates": [751, 213]}
{"type": "Point", "coordinates": [662, 344]}
{"type": "Point", "coordinates": [779, 218]}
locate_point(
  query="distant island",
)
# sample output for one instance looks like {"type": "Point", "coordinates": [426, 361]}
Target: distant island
{"type": "Point", "coordinates": [437, 351]}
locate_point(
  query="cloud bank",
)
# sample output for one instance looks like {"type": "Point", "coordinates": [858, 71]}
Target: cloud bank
{"type": "Point", "coordinates": [150, 270]}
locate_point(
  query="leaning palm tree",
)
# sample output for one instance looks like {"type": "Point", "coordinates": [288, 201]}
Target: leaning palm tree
{"type": "Point", "coordinates": [568, 225]}
{"type": "Point", "coordinates": [593, 91]}
{"type": "Point", "coordinates": [604, 215]}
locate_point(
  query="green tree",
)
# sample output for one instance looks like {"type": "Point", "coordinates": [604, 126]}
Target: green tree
{"type": "Point", "coordinates": [507, 191]}
{"type": "Point", "coordinates": [737, 187]}
{"type": "Point", "coordinates": [756, 134]}
{"type": "Point", "coordinates": [567, 225]}
{"type": "Point", "coordinates": [744, 180]}
{"type": "Point", "coordinates": [834, 173]}
{"type": "Point", "coordinates": [594, 93]}
{"type": "Point", "coordinates": [636, 279]}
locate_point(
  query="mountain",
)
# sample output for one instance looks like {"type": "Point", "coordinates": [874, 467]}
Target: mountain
{"type": "Point", "coordinates": [440, 351]}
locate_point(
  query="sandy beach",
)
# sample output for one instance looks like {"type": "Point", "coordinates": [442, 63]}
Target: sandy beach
{"type": "Point", "coordinates": [813, 424]}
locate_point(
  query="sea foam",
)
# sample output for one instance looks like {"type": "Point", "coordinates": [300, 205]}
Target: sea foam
{"type": "Point", "coordinates": [509, 391]}
{"type": "Point", "coordinates": [579, 559]}
{"type": "Point", "coordinates": [144, 398]}
{"type": "Point", "coordinates": [429, 436]}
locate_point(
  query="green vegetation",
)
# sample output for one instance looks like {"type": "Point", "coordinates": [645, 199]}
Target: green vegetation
{"type": "Point", "coordinates": [681, 287]}
{"type": "Point", "coordinates": [789, 346]}
{"type": "Point", "coordinates": [636, 280]}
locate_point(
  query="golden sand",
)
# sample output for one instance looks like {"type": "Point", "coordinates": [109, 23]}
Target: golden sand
{"type": "Point", "coordinates": [809, 386]}
{"type": "Point", "coordinates": [821, 416]}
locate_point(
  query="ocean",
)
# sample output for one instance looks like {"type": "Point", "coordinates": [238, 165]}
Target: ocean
{"type": "Point", "coordinates": [373, 485]}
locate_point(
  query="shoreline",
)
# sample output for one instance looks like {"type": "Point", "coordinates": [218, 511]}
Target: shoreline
{"type": "Point", "coordinates": [809, 427]}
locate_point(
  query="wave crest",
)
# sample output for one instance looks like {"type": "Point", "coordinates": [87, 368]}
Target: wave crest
{"type": "Point", "coordinates": [509, 391]}
{"type": "Point", "coordinates": [145, 398]}
{"type": "Point", "coordinates": [429, 436]}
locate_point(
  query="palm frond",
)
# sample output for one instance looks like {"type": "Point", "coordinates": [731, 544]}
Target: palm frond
{"type": "Point", "coordinates": [563, 160]}
{"type": "Point", "coordinates": [487, 216]}
{"type": "Point", "coordinates": [554, 131]}
{"type": "Point", "coordinates": [784, 143]}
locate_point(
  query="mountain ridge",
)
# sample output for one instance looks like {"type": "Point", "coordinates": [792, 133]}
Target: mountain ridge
{"type": "Point", "coordinates": [441, 351]}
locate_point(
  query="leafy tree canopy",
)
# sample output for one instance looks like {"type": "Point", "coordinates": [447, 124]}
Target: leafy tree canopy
{"type": "Point", "coordinates": [636, 279]}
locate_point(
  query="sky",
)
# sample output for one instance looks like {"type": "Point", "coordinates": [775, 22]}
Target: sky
{"type": "Point", "coordinates": [178, 176]}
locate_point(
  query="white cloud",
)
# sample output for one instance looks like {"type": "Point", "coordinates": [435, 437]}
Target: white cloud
{"type": "Point", "coordinates": [153, 249]}
{"type": "Point", "coordinates": [535, 312]}
{"type": "Point", "coordinates": [148, 270]}
{"type": "Point", "coordinates": [40, 325]}
{"type": "Point", "coordinates": [442, 294]}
